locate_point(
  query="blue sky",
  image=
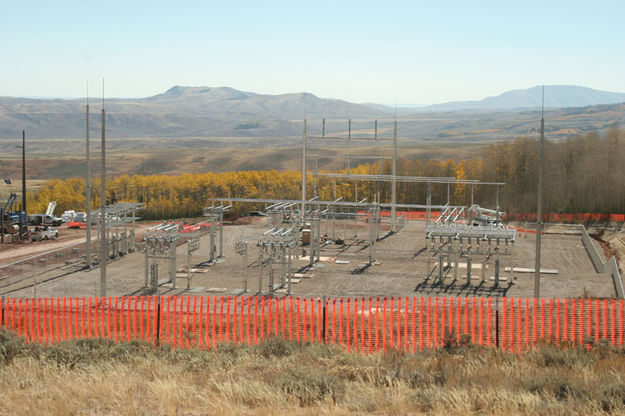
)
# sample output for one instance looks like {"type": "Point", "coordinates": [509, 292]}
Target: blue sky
{"type": "Point", "coordinates": [404, 52]}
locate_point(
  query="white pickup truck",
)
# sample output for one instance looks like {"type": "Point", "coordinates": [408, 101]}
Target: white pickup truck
{"type": "Point", "coordinates": [43, 233]}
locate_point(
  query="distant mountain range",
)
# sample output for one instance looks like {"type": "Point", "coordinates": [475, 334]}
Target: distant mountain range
{"type": "Point", "coordinates": [226, 112]}
{"type": "Point", "coordinates": [556, 96]}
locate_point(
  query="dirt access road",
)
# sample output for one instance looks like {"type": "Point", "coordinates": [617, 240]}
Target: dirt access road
{"type": "Point", "coordinates": [10, 252]}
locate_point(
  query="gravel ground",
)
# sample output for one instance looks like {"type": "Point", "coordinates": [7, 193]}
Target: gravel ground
{"type": "Point", "coordinates": [400, 270]}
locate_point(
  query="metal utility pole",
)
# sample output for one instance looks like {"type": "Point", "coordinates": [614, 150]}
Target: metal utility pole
{"type": "Point", "coordinates": [304, 169]}
{"type": "Point", "coordinates": [539, 208]}
{"type": "Point", "coordinates": [23, 175]}
{"type": "Point", "coordinates": [88, 189]}
{"type": "Point", "coordinates": [103, 242]}
{"type": "Point", "coordinates": [394, 183]}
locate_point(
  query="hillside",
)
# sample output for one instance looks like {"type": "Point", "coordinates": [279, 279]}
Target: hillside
{"type": "Point", "coordinates": [179, 112]}
{"type": "Point", "coordinates": [184, 112]}
{"type": "Point", "coordinates": [556, 96]}
{"type": "Point", "coordinates": [282, 377]}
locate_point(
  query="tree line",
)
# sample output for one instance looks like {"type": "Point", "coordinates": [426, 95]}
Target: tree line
{"type": "Point", "coordinates": [582, 174]}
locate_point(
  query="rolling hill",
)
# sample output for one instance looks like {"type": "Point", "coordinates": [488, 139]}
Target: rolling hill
{"type": "Point", "coordinates": [178, 112]}
{"type": "Point", "coordinates": [556, 96]}
{"type": "Point", "coordinates": [225, 112]}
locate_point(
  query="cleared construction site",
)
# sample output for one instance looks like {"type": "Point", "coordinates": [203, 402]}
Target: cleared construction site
{"type": "Point", "coordinates": [315, 247]}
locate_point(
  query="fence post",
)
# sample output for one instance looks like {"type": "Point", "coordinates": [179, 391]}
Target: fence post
{"type": "Point", "coordinates": [158, 321]}
{"type": "Point", "coordinates": [497, 323]}
{"type": "Point", "coordinates": [325, 324]}
{"type": "Point", "coordinates": [2, 311]}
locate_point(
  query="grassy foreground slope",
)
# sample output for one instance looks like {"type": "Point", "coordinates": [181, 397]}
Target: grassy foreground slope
{"type": "Point", "coordinates": [277, 377]}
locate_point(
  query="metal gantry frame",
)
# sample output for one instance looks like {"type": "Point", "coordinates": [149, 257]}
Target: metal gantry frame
{"type": "Point", "coordinates": [453, 236]}
{"type": "Point", "coordinates": [377, 179]}
{"type": "Point", "coordinates": [309, 219]}
{"type": "Point", "coordinates": [161, 242]}
{"type": "Point", "coordinates": [306, 212]}
{"type": "Point", "coordinates": [348, 139]}
{"type": "Point", "coordinates": [276, 246]}
{"type": "Point", "coordinates": [120, 220]}
{"type": "Point", "coordinates": [215, 214]}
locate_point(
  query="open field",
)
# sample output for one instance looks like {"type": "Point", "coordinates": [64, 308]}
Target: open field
{"type": "Point", "coordinates": [400, 270]}
{"type": "Point", "coordinates": [279, 377]}
{"type": "Point", "coordinates": [49, 159]}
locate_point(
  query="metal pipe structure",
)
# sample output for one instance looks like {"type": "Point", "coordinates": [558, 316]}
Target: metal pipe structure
{"type": "Point", "coordinates": [23, 178]}
{"type": "Point", "coordinates": [539, 207]}
{"type": "Point", "coordinates": [399, 178]}
{"type": "Point", "coordinates": [103, 240]}
{"type": "Point", "coordinates": [88, 187]}
{"type": "Point", "coordinates": [304, 167]}
{"type": "Point", "coordinates": [394, 180]}
{"type": "Point", "coordinates": [333, 203]}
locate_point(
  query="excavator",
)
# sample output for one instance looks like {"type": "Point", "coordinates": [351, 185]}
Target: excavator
{"type": "Point", "coordinates": [11, 217]}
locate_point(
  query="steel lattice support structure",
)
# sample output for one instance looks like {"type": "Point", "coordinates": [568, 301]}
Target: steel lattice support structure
{"type": "Point", "coordinates": [215, 215]}
{"type": "Point", "coordinates": [276, 246]}
{"type": "Point", "coordinates": [161, 242]}
{"type": "Point", "coordinates": [120, 220]}
{"type": "Point", "coordinates": [393, 178]}
{"type": "Point", "coordinates": [451, 237]}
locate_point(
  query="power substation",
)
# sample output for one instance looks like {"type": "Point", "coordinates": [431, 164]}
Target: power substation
{"type": "Point", "coordinates": [341, 245]}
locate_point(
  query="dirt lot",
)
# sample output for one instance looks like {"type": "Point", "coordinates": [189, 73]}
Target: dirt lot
{"type": "Point", "coordinates": [10, 252]}
{"type": "Point", "coordinates": [400, 270]}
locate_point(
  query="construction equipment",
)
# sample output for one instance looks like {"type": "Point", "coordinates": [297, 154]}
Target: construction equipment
{"type": "Point", "coordinates": [48, 218]}
{"type": "Point", "coordinates": [483, 216]}
{"type": "Point", "coordinates": [10, 216]}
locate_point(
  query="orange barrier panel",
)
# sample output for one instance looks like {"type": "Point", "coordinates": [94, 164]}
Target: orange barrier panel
{"type": "Point", "coordinates": [358, 324]}
{"type": "Point", "coordinates": [377, 321]}
{"type": "Point", "coordinates": [384, 325]}
{"type": "Point", "coordinates": [620, 341]}
{"type": "Point", "coordinates": [605, 319]}
{"type": "Point", "coordinates": [488, 329]}
{"type": "Point", "coordinates": [436, 322]}
{"type": "Point", "coordinates": [421, 324]}
{"type": "Point", "coordinates": [369, 325]}
{"type": "Point", "coordinates": [427, 324]}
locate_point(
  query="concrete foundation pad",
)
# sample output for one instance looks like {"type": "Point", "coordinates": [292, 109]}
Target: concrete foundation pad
{"type": "Point", "coordinates": [477, 266]}
{"type": "Point", "coordinates": [531, 270]}
{"type": "Point", "coordinates": [321, 258]}
{"type": "Point", "coordinates": [217, 289]}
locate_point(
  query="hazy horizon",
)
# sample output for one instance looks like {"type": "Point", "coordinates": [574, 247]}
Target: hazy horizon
{"type": "Point", "coordinates": [404, 52]}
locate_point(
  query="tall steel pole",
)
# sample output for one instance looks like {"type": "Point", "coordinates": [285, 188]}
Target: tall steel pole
{"type": "Point", "coordinates": [103, 242]}
{"type": "Point", "coordinates": [394, 184]}
{"type": "Point", "coordinates": [88, 189]}
{"type": "Point", "coordinates": [539, 208]}
{"type": "Point", "coordinates": [304, 169]}
{"type": "Point", "coordinates": [23, 176]}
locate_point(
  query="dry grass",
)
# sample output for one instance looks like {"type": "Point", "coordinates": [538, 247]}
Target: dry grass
{"type": "Point", "coordinates": [177, 156]}
{"type": "Point", "coordinates": [99, 377]}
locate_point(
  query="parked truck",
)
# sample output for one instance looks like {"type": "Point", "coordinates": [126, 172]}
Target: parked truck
{"type": "Point", "coordinates": [46, 219]}
{"type": "Point", "coordinates": [43, 233]}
